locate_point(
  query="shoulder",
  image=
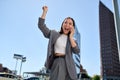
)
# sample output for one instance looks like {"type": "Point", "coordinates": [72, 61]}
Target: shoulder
{"type": "Point", "coordinates": [54, 33]}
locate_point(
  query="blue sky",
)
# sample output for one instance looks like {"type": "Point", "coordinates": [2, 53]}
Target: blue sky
{"type": "Point", "coordinates": [19, 33]}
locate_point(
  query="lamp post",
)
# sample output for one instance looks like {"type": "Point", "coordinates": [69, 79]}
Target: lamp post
{"type": "Point", "coordinates": [22, 60]}
{"type": "Point", "coordinates": [17, 57]}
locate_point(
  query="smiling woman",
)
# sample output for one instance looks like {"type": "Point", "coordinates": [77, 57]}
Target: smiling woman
{"type": "Point", "coordinates": [60, 48]}
{"type": "Point", "coordinates": [18, 32]}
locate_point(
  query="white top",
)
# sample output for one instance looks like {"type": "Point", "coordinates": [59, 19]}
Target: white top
{"type": "Point", "coordinates": [60, 44]}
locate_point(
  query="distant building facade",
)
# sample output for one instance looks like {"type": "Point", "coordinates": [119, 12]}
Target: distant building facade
{"type": "Point", "coordinates": [110, 65]}
{"type": "Point", "coordinates": [4, 69]}
{"type": "Point", "coordinates": [76, 57]}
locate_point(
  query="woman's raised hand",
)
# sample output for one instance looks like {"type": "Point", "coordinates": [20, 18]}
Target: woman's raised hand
{"type": "Point", "coordinates": [45, 8]}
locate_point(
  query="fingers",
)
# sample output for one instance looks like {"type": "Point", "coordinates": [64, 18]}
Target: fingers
{"type": "Point", "coordinates": [72, 29]}
{"type": "Point", "coordinates": [45, 8]}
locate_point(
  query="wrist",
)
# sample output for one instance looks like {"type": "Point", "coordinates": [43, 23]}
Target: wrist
{"type": "Point", "coordinates": [71, 37]}
{"type": "Point", "coordinates": [72, 41]}
{"type": "Point", "coordinates": [44, 12]}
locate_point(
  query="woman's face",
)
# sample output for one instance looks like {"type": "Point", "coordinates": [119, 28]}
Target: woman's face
{"type": "Point", "coordinates": [67, 26]}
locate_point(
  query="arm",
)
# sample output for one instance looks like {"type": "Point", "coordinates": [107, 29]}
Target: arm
{"type": "Point", "coordinates": [41, 23]}
{"type": "Point", "coordinates": [45, 9]}
{"type": "Point", "coordinates": [72, 41]}
{"type": "Point", "coordinates": [75, 47]}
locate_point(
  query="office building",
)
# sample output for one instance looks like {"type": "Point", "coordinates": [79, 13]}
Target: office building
{"type": "Point", "coordinates": [110, 66]}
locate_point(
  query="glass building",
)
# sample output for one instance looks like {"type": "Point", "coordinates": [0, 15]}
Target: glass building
{"type": "Point", "coordinates": [76, 57]}
{"type": "Point", "coordinates": [116, 5]}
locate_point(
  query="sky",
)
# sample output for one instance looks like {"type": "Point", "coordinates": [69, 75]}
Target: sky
{"type": "Point", "coordinates": [19, 33]}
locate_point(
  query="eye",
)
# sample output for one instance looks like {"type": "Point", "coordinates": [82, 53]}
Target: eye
{"type": "Point", "coordinates": [70, 24]}
{"type": "Point", "coordinates": [65, 22]}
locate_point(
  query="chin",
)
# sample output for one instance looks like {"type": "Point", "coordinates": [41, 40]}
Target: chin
{"type": "Point", "coordinates": [66, 33]}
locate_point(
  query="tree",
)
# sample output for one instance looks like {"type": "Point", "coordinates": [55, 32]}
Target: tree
{"type": "Point", "coordinates": [96, 77]}
{"type": "Point", "coordinates": [84, 75]}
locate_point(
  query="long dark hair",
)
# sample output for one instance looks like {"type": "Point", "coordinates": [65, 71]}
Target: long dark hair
{"type": "Point", "coordinates": [61, 31]}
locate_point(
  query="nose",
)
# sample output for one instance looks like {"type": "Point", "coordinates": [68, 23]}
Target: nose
{"type": "Point", "coordinates": [67, 24]}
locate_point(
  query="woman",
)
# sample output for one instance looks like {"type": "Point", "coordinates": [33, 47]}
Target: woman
{"type": "Point", "coordinates": [60, 48]}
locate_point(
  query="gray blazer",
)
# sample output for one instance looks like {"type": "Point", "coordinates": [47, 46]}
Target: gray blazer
{"type": "Point", "coordinates": [52, 35]}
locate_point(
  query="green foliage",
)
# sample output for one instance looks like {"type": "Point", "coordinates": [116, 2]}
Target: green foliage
{"type": "Point", "coordinates": [85, 76]}
{"type": "Point", "coordinates": [96, 77]}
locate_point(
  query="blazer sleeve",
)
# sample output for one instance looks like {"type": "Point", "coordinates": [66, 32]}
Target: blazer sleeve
{"type": "Point", "coordinates": [42, 26]}
{"type": "Point", "coordinates": [76, 49]}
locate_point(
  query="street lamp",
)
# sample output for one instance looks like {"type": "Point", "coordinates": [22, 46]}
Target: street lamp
{"type": "Point", "coordinates": [17, 57]}
{"type": "Point", "coordinates": [22, 60]}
